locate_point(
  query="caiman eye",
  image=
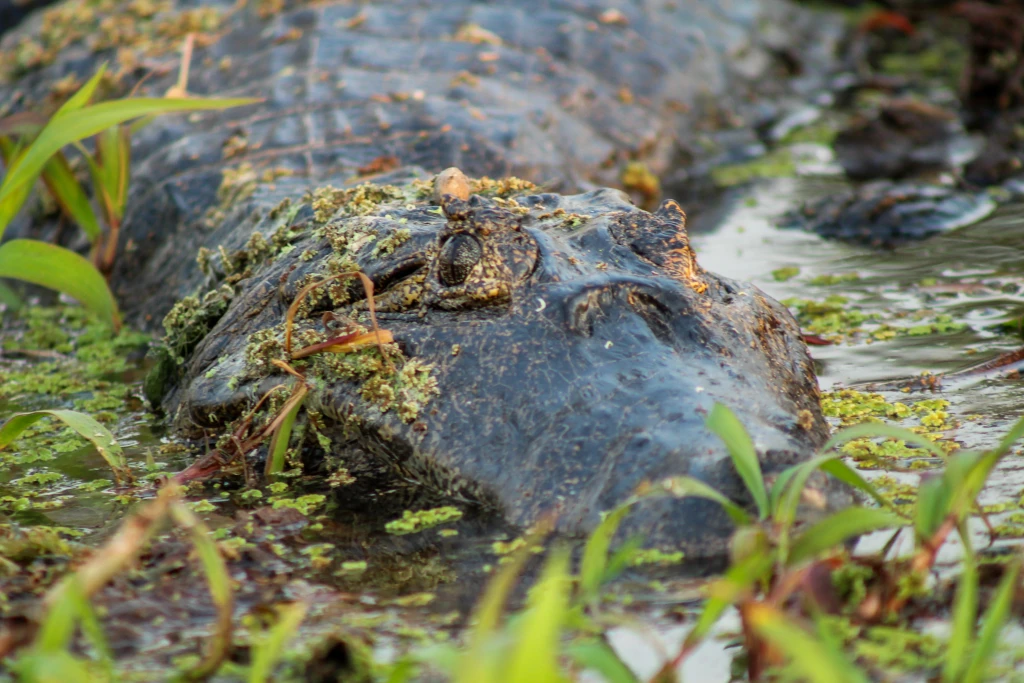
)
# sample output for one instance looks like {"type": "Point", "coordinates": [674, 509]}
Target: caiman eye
{"type": "Point", "coordinates": [457, 258]}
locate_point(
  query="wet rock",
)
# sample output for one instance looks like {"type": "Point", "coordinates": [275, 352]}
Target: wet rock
{"type": "Point", "coordinates": [905, 137]}
{"type": "Point", "coordinates": [885, 214]}
{"type": "Point", "coordinates": [1003, 154]}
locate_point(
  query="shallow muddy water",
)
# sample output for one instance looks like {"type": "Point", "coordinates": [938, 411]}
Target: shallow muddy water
{"type": "Point", "coordinates": [935, 306]}
{"type": "Point", "coordinates": [974, 276]}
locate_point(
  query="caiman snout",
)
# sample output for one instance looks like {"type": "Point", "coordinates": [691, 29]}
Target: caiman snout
{"type": "Point", "coordinates": [552, 354]}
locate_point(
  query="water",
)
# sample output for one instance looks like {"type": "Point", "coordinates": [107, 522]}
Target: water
{"type": "Point", "coordinates": [972, 275]}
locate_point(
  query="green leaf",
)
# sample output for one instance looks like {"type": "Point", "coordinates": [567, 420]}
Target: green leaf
{"type": "Point", "coordinates": [933, 498]}
{"type": "Point", "coordinates": [594, 564]}
{"type": "Point", "coordinates": [91, 626]}
{"type": "Point", "coordinates": [875, 429]}
{"type": "Point", "coordinates": [51, 667]}
{"type": "Point", "coordinates": [814, 659]}
{"type": "Point", "coordinates": [837, 528]}
{"type": "Point", "coordinates": [87, 427]}
{"type": "Point", "coordinates": [622, 557]}
{"type": "Point", "coordinates": [84, 94]}
{"type": "Point", "coordinates": [61, 269]}
{"type": "Point", "coordinates": [846, 474]}
{"type": "Point", "coordinates": [683, 487]}
{"type": "Point", "coordinates": [596, 655]}
{"type": "Point", "coordinates": [59, 625]}
{"type": "Point", "coordinates": [279, 442]}
{"type": "Point", "coordinates": [267, 652]}
{"type": "Point", "coordinates": [727, 426]}
{"type": "Point", "coordinates": [965, 477]}
{"type": "Point", "coordinates": [11, 204]}
{"type": "Point", "coordinates": [992, 625]}
{"type": "Point", "coordinates": [54, 637]}
{"type": "Point", "coordinates": [477, 663]}
{"type": "Point", "coordinates": [738, 581]}
{"type": "Point", "coordinates": [785, 502]}
{"type": "Point", "coordinates": [63, 129]}
{"type": "Point", "coordinates": [68, 192]}
{"type": "Point", "coordinates": [113, 154]}
{"type": "Point", "coordinates": [1012, 436]}
{"type": "Point", "coordinates": [10, 298]}
{"type": "Point", "coordinates": [534, 658]}
{"type": "Point", "coordinates": [402, 671]}
{"type": "Point", "coordinates": [965, 614]}
{"type": "Point", "coordinates": [219, 582]}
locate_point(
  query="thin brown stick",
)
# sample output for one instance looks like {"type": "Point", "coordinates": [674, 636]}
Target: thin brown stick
{"type": "Point", "coordinates": [289, 369]}
{"type": "Point", "coordinates": [180, 89]}
{"type": "Point", "coordinates": [289, 320]}
{"type": "Point", "coordinates": [344, 343]}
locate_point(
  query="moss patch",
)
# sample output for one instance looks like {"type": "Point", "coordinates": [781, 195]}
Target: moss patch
{"type": "Point", "coordinates": [412, 522]}
{"type": "Point", "coordinates": [60, 357]}
{"type": "Point", "coordinates": [133, 29]}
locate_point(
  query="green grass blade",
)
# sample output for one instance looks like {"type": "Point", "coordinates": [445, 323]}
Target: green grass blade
{"type": "Point", "coordinates": [780, 483]}
{"type": "Point", "coordinates": [738, 581]}
{"type": "Point", "coordinates": [113, 156]}
{"type": "Point", "coordinates": [727, 426]}
{"type": "Point", "coordinates": [786, 492]}
{"type": "Point", "coordinates": [90, 624]}
{"type": "Point", "coordinates": [279, 442]}
{"type": "Point", "coordinates": [597, 656]}
{"type": "Point", "coordinates": [965, 614]}
{"type": "Point", "coordinates": [51, 667]}
{"type": "Point", "coordinates": [846, 474]}
{"type": "Point", "coordinates": [933, 499]}
{"type": "Point", "coordinates": [56, 630]}
{"type": "Point", "coordinates": [84, 94]}
{"type": "Point", "coordinates": [682, 487]}
{"type": "Point", "coordinates": [622, 557]}
{"type": "Point", "coordinates": [965, 477]}
{"type": "Point", "coordinates": [10, 298]}
{"type": "Point", "coordinates": [402, 671]}
{"type": "Point", "coordinates": [123, 164]}
{"type": "Point", "coordinates": [1012, 436]}
{"type": "Point", "coordinates": [814, 659]}
{"type": "Point", "coordinates": [87, 427]}
{"type": "Point", "coordinates": [68, 192]}
{"type": "Point", "coordinates": [875, 429]}
{"type": "Point", "coordinates": [61, 269]}
{"type": "Point", "coordinates": [992, 625]}
{"type": "Point", "coordinates": [269, 650]}
{"type": "Point", "coordinates": [476, 665]}
{"type": "Point", "coordinates": [839, 527]}
{"type": "Point", "coordinates": [11, 204]}
{"type": "Point", "coordinates": [534, 658]}
{"type": "Point", "coordinates": [594, 565]}
{"type": "Point", "coordinates": [69, 127]}
{"type": "Point", "coordinates": [219, 582]}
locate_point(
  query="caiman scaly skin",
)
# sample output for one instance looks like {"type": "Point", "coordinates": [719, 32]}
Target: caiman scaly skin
{"type": "Point", "coordinates": [576, 345]}
{"type": "Point", "coordinates": [559, 349]}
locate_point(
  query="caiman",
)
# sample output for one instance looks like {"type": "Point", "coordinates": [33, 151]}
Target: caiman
{"type": "Point", "coordinates": [549, 353]}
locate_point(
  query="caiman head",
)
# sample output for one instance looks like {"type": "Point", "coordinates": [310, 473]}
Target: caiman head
{"type": "Point", "coordinates": [550, 355]}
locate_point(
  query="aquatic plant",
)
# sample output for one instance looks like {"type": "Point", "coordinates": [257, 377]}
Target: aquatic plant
{"type": "Point", "coordinates": [807, 607]}
{"type": "Point", "coordinates": [32, 148]}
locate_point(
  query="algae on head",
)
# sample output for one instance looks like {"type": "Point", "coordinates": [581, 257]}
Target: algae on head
{"type": "Point", "coordinates": [191, 319]}
{"type": "Point", "coordinates": [136, 29]}
{"type": "Point", "coordinates": [353, 201]}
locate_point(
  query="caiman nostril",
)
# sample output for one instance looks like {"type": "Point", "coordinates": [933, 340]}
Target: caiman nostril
{"type": "Point", "coordinates": [457, 258]}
